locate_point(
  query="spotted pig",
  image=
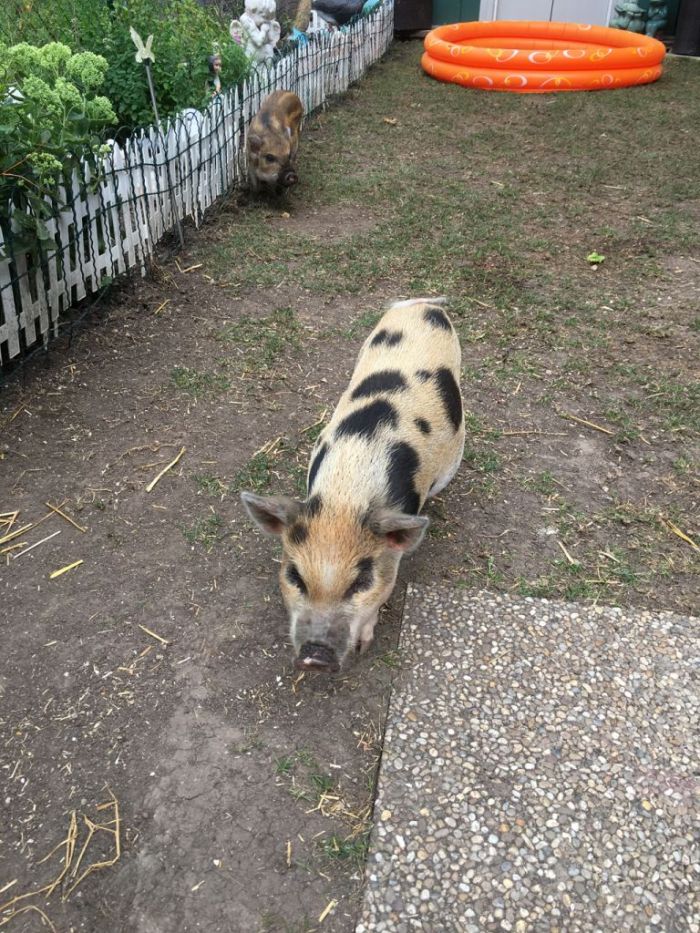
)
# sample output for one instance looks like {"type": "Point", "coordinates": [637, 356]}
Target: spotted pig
{"type": "Point", "coordinates": [396, 437]}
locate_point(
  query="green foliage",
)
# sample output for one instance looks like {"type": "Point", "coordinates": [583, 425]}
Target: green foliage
{"type": "Point", "coordinates": [184, 36]}
{"type": "Point", "coordinates": [50, 118]}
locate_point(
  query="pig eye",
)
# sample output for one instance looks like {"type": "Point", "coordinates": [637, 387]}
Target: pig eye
{"type": "Point", "coordinates": [294, 577]}
{"type": "Point", "coordinates": [270, 158]}
{"type": "Point", "coordinates": [364, 579]}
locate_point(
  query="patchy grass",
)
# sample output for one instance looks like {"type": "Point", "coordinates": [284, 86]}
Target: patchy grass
{"type": "Point", "coordinates": [346, 849]}
{"type": "Point", "coordinates": [258, 344]}
{"type": "Point", "coordinates": [210, 485]}
{"type": "Point", "coordinates": [205, 531]}
{"type": "Point", "coordinates": [255, 476]}
{"type": "Point", "coordinates": [195, 383]}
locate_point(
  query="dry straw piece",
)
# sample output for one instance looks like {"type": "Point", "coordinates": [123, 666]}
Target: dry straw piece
{"type": "Point", "coordinates": [69, 871]}
{"type": "Point", "coordinates": [589, 424]}
{"type": "Point", "coordinates": [164, 471]}
{"type": "Point", "coordinates": [62, 570]}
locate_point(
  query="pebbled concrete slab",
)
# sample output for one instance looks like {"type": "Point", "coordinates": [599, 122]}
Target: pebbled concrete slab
{"type": "Point", "coordinates": [541, 770]}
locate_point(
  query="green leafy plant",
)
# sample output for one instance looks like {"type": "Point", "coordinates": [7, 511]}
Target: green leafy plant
{"type": "Point", "coordinates": [51, 117]}
{"type": "Point", "coordinates": [184, 33]}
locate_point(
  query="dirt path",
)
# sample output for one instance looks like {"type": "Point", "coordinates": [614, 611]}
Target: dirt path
{"type": "Point", "coordinates": [244, 793]}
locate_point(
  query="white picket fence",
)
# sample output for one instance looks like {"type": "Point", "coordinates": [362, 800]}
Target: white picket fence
{"type": "Point", "coordinates": [112, 221]}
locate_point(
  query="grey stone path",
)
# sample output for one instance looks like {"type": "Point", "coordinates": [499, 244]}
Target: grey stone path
{"type": "Point", "coordinates": [541, 771]}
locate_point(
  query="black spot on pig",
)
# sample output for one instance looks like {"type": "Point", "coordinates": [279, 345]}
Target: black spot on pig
{"type": "Point", "coordinates": [265, 119]}
{"type": "Point", "coordinates": [365, 422]}
{"type": "Point", "coordinates": [424, 375]}
{"type": "Point", "coordinates": [389, 337]}
{"type": "Point", "coordinates": [437, 318]}
{"type": "Point", "coordinates": [294, 577]}
{"type": "Point", "coordinates": [401, 473]}
{"type": "Point", "coordinates": [423, 425]}
{"type": "Point", "coordinates": [298, 533]}
{"type": "Point", "coordinates": [313, 506]}
{"type": "Point", "coordinates": [364, 579]}
{"type": "Point", "coordinates": [385, 380]}
{"type": "Point", "coordinates": [315, 465]}
{"type": "Point", "coordinates": [449, 393]}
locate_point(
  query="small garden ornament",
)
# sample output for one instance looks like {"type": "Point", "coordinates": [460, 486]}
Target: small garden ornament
{"type": "Point", "coordinates": [657, 16]}
{"type": "Point", "coordinates": [629, 16]}
{"type": "Point", "coordinates": [214, 79]}
{"type": "Point", "coordinates": [145, 56]}
{"type": "Point", "coordinates": [257, 30]}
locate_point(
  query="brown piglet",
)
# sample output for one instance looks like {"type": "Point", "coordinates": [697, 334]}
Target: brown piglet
{"type": "Point", "coordinates": [273, 140]}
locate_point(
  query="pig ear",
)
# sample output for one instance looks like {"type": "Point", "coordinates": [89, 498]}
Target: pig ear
{"type": "Point", "coordinates": [400, 531]}
{"type": "Point", "coordinates": [272, 513]}
{"type": "Point", "coordinates": [255, 142]}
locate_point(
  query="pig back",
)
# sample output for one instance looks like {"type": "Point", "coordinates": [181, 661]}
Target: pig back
{"type": "Point", "coordinates": [398, 430]}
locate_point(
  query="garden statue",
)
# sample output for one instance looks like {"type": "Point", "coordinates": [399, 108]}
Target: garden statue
{"type": "Point", "coordinates": [656, 16]}
{"type": "Point", "coordinates": [629, 16]}
{"type": "Point", "coordinates": [257, 30]}
{"type": "Point", "coordinates": [214, 79]}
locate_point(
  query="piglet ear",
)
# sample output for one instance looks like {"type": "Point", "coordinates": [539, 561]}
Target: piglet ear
{"type": "Point", "coordinates": [272, 514]}
{"type": "Point", "coordinates": [401, 532]}
{"type": "Point", "coordinates": [254, 142]}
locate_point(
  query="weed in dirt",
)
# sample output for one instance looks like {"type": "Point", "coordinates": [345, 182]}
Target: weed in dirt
{"type": "Point", "coordinates": [205, 531]}
{"type": "Point", "coordinates": [390, 659]}
{"type": "Point", "coordinates": [255, 476]}
{"type": "Point", "coordinates": [260, 343]}
{"type": "Point", "coordinates": [321, 783]}
{"type": "Point", "coordinates": [364, 323]}
{"type": "Point", "coordinates": [210, 485]}
{"type": "Point", "coordinates": [475, 425]}
{"type": "Point", "coordinates": [683, 466]}
{"type": "Point", "coordinates": [347, 849]}
{"type": "Point", "coordinates": [195, 383]}
{"type": "Point", "coordinates": [482, 461]}
{"type": "Point", "coordinates": [284, 764]}
{"type": "Point", "coordinates": [543, 482]}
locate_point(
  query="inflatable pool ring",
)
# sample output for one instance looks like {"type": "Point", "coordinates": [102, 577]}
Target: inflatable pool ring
{"type": "Point", "coordinates": [540, 57]}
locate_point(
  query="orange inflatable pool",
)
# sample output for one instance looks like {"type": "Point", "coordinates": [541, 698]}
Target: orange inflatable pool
{"type": "Point", "coordinates": [540, 57]}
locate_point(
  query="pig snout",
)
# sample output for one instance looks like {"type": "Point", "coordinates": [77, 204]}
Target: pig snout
{"type": "Point", "coordinates": [289, 178]}
{"type": "Point", "coordinates": [318, 658]}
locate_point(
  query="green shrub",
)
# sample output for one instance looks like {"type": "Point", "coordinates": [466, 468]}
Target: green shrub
{"type": "Point", "coordinates": [50, 117]}
{"type": "Point", "coordinates": [185, 35]}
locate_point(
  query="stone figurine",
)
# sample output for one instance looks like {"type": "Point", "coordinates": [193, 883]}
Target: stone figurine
{"type": "Point", "coordinates": [656, 16]}
{"type": "Point", "coordinates": [629, 16]}
{"type": "Point", "coordinates": [257, 30]}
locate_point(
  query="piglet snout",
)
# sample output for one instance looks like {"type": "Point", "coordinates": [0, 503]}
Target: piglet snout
{"type": "Point", "coordinates": [317, 658]}
{"type": "Point", "coordinates": [290, 178]}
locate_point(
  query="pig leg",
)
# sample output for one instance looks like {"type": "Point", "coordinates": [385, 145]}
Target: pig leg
{"type": "Point", "coordinates": [367, 634]}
